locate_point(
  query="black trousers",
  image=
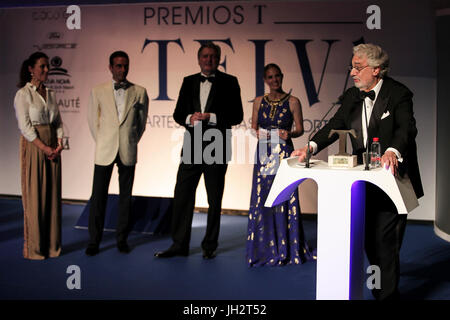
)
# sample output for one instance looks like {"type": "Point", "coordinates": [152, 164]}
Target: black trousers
{"type": "Point", "coordinates": [99, 197]}
{"type": "Point", "coordinates": [188, 177]}
{"type": "Point", "coordinates": [384, 233]}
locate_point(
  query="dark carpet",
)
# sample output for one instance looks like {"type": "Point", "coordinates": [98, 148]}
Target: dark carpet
{"type": "Point", "coordinates": [425, 266]}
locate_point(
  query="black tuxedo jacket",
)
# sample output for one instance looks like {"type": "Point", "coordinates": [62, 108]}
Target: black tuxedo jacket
{"type": "Point", "coordinates": [392, 121]}
{"type": "Point", "coordinates": [224, 100]}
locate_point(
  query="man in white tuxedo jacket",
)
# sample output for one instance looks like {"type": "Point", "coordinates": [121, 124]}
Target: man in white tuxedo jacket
{"type": "Point", "coordinates": [117, 116]}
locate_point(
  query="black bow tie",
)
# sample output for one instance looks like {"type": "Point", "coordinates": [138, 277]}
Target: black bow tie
{"type": "Point", "coordinates": [122, 85]}
{"type": "Point", "coordinates": [203, 79]}
{"type": "Point", "coordinates": [370, 94]}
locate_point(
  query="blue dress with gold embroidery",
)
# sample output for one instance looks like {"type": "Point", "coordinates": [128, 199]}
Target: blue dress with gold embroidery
{"type": "Point", "coordinates": [275, 235]}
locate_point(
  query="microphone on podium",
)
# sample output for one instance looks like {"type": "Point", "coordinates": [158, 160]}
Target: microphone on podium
{"type": "Point", "coordinates": [308, 152]}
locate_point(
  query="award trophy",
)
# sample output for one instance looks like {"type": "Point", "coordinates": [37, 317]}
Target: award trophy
{"type": "Point", "coordinates": [65, 143]}
{"type": "Point", "coordinates": [342, 159]}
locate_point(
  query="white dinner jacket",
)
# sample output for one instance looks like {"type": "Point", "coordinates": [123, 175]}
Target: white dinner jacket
{"type": "Point", "coordinates": [110, 135]}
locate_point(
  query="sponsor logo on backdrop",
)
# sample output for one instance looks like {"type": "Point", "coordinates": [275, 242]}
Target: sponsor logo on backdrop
{"type": "Point", "coordinates": [69, 105]}
{"type": "Point", "coordinates": [59, 77]}
{"type": "Point", "coordinates": [72, 16]}
{"type": "Point", "coordinates": [55, 36]}
{"type": "Point", "coordinates": [60, 81]}
{"type": "Point", "coordinates": [55, 68]}
{"type": "Point", "coordinates": [49, 14]}
{"type": "Point", "coordinates": [48, 46]}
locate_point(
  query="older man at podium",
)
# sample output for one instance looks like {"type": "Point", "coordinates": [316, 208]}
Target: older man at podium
{"type": "Point", "coordinates": [390, 117]}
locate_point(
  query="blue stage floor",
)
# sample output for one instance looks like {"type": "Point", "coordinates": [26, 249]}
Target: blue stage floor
{"type": "Point", "coordinates": [425, 266]}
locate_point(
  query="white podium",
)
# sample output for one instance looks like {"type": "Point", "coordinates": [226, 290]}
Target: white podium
{"type": "Point", "coordinates": [340, 218]}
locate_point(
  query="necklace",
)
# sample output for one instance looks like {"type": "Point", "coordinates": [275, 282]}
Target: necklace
{"type": "Point", "coordinates": [274, 104]}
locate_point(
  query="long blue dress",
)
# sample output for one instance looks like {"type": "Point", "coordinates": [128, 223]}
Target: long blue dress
{"type": "Point", "coordinates": [275, 235]}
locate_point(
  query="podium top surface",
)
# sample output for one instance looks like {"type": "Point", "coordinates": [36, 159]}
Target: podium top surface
{"type": "Point", "coordinates": [291, 173]}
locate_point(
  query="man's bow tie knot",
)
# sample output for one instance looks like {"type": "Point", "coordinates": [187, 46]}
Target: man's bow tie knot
{"type": "Point", "coordinates": [203, 79]}
{"type": "Point", "coordinates": [370, 95]}
{"type": "Point", "coordinates": [121, 85]}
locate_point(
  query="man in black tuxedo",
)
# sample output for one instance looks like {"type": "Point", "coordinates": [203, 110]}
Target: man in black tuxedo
{"type": "Point", "coordinates": [390, 117]}
{"type": "Point", "coordinates": [208, 105]}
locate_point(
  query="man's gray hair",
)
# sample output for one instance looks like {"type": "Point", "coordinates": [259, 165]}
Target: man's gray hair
{"type": "Point", "coordinates": [376, 57]}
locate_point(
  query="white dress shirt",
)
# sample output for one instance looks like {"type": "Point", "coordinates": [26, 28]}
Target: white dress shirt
{"type": "Point", "coordinates": [32, 109]}
{"type": "Point", "coordinates": [368, 103]}
{"type": "Point", "coordinates": [205, 88]}
{"type": "Point", "coordinates": [119, 97]}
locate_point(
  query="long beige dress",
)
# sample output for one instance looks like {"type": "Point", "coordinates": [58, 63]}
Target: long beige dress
{"type": "Point", "coordinates": [41, 177]}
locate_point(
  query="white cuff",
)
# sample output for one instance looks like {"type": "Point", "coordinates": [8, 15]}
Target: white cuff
{"type": "Point", "coordinates": [212, 119]}
{"type": "Point", "coordinates": [188, 120]}
{"type": "Point", "coordinates": [313, 145]}
{"type": "Point", "coordinates": [30, 136]}
{"type": "Point", "coordinates": [398, 154]}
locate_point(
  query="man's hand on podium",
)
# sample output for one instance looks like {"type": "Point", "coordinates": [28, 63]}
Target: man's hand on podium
{"type": "Point", "coordinates": [389, 161]}
{"type": "Point", "coordinates": [301, 153]}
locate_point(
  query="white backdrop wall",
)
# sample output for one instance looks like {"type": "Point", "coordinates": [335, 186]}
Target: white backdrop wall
{"type": "Point", "coordinates": [162, 40]}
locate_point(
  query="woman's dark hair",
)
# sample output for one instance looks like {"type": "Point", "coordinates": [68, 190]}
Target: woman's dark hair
{"type": "Point", "coordinates": [270, 66]}
{"type": "Point", "coordinates": [25, 75]}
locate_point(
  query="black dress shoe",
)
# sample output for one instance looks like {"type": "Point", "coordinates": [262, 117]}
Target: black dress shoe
{"type": "Point", "coordinates": [172, 253]}
{"type": "Point", "coordinates": [123, 247]}
{"type": "Point", "coordinates": [92, 250]}
{"type": "Point", "coordinates": [209, 254]}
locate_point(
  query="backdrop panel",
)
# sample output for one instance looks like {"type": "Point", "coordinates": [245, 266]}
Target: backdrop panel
{"type": "Point", "coordinates": [311, 41]}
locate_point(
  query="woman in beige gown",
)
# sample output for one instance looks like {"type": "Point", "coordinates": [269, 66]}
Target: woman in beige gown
{"type": "Point", "coordinates": [40, 124]}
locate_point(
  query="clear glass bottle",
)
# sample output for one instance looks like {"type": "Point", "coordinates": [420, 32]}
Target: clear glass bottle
{"type": "Point", "coordinates": [375, 153]}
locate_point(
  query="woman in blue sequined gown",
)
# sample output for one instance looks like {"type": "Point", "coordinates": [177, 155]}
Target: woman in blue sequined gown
{"type": "Point", "coordinates": [275, 235]}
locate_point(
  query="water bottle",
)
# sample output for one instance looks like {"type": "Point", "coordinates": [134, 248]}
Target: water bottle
{"type": "Point", "coordinates": [375, 154]}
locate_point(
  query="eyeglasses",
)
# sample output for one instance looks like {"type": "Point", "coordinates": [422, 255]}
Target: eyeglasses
{"type": "Point", "coordinates": [358, 69]}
